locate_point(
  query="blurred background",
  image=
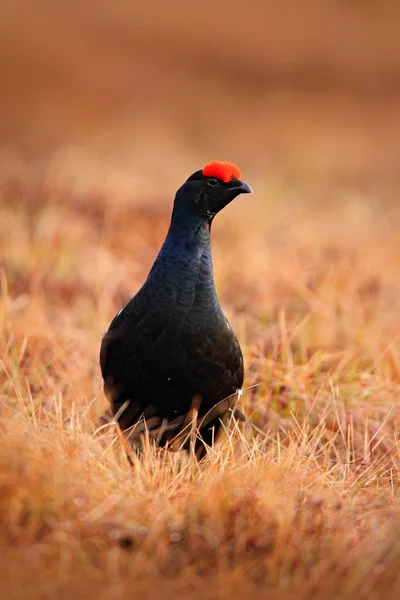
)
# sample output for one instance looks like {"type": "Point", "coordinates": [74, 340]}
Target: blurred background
{"type": "Point", "coordinates": [133, 96]}
{"type": "Point", "coordinates": [107, 107]}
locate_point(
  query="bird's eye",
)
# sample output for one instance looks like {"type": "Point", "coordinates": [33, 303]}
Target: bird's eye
{"type": "Point", "coordinates": [213, 181]}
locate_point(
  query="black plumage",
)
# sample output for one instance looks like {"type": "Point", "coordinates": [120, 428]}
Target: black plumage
{"type": "Point", "coordinates": [170, 354]}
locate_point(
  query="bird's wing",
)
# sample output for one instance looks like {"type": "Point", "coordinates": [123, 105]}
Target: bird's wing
{"type": "Point", "coordinates": [215, 359]}
{"type": "Point", "coordinates": [104, 352]}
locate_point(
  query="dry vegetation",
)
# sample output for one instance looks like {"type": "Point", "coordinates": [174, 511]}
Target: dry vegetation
{"type": "Point", "coordinates": [303, 500]}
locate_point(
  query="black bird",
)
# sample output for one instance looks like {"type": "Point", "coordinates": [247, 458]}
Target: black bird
{"type": "Point", "coordinates": [170, 356]}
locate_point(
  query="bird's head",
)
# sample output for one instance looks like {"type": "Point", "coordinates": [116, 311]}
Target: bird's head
{"type": "Point", "coordinates": [208, 191]}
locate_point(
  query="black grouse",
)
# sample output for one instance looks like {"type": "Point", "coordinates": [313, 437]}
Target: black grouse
{"type": "Point", "coordinates": [170, 358]}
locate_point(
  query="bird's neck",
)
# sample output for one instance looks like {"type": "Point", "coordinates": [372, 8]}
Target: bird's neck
{"type": "Point", "coordinates": [184, 262]}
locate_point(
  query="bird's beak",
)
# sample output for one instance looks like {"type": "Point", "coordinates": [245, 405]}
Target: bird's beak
{"type": "Point", "coordinates": [240, 187]}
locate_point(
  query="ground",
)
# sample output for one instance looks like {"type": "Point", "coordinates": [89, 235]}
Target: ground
{"type": "Point", "coordinates": [302, 501]}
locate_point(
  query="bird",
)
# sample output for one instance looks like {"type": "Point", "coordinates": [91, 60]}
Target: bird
{"type": "Point", "coordinates": [170, 357]}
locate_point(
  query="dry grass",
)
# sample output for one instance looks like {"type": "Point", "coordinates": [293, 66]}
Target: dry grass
{"type": "Point", "coordinates": [301, 502]}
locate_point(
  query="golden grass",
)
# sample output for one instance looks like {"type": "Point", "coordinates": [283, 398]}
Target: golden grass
{"type": "Point", "coordinates": [300, 502]}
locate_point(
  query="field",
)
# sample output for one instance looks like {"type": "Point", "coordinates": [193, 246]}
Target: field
{"type": "Point", "coordinates": [302, 500]}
